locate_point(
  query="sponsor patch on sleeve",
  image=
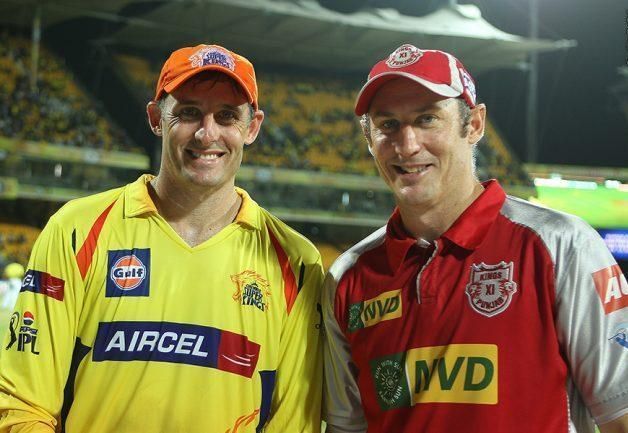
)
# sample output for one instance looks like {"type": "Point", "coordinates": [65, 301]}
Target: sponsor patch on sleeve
{"type": "Point", "coordinates": [612, 288]}
{"type": "Point", "coordinates": [43, 283]}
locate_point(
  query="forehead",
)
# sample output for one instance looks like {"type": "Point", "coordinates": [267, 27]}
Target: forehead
{"type": "Point", "coordinates": [210, 88]}
{"type": "Point", "coordinates": [401, 94]}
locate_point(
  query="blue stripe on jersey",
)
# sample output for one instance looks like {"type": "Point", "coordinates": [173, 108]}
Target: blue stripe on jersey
{"type": "Point", "coordinates": [268, 386]}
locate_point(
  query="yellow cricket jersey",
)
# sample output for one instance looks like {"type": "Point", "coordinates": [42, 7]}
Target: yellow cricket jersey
{"type": "Point", "coordinates": [120, 326]}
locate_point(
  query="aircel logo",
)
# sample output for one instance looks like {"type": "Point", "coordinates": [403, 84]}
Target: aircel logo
{"type": "Point", "coordinates": [367, 313]}
{"type": "Point", "coordinates": [180, 343]}
{"type": "Point", "coordinates": [458, 373]}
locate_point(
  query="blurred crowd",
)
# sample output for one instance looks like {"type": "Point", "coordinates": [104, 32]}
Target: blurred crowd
{"type": "Point", "coordinates": [309, 118]}
{"type": "Point", "coordinates": [16, 242]}
{"type": "Point", "coordinates": [57, 110]}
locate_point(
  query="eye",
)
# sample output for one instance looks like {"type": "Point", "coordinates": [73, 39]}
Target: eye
{"type": "Point", "coordinates": [227, 116]}
{"type": "Point", "coordinates": [388, 125]}
{"type": "Point", "coordinates": [189, 113]}
{"type": "Point", "coordinates": [426, 119]}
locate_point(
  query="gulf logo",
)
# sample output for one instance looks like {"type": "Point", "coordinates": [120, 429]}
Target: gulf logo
{"type": "Point", "coordinates": [128, 272]}
{"type": "Point", "coordinates": [28, 318]}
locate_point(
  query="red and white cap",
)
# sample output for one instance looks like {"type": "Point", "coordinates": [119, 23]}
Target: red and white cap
{"type": "Point", "coordinates": [438, 71]}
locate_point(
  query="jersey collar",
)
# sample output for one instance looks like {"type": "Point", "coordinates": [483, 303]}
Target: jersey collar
{"type": "Point", "coordinates": [467, 232]}
{"type": "Point", "coordinates": [137, 201]}
{"type": "Point", "coordinates": [471, 227]}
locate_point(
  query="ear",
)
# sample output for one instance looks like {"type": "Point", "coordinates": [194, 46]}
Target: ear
{"type": "Point", "coordinates": [475, 130]}
{"type": "Point", "coordinates": [254, 127]}
{"type": "Point", "coordinates": [153, 113]}
{"type": "Point", "coordinates": [366, 130]}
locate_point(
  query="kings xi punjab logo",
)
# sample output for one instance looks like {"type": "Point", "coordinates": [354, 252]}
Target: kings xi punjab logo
{"type": "Point", "coordinates": [491, 287]}
{"type": "Point", "coordinates": [251, 289]}
{"type": "Point", "coordinates": [403, 56]}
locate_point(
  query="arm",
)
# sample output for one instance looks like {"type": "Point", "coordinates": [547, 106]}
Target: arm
{"type": "Point", "coordinates": [342, 405]}
{"type": "Point", "coordinates": [619, 425]}
{"type": "Point", "coordinates": [37, 349]}
{"type": "Point", "coordinates": [592, 322]}
{"type": "Point", "coordinates": [297, 397]}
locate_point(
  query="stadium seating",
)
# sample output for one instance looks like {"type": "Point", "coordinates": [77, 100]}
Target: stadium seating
{"type": "Point", "coordinates": [59, 111]}
{"type": "Point", "coordinates": [16, 242]}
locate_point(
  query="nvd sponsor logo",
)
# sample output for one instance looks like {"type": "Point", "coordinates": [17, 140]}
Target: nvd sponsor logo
{"type": "Point", "coordinates": [24, 335]}
{"type": "Point", "coordinates": [458, 373]}
{"type": "Point", "coordinates": [367, 313]}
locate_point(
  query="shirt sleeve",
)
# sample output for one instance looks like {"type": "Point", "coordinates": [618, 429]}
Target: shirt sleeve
{"type": "Point", "coordinates": [37, 349]}
{"type": "Point", "coordinates": [342, 405]}
{"type": "Point", "coordinates": [592, 323]}
{"type": "Point", "coordinates": [296, 405]}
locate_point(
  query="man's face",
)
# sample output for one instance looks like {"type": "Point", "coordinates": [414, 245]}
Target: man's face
{"type": "Point", "coordinates": [418, 143]}
{"type": "Point", "coordinates": [204, 126]}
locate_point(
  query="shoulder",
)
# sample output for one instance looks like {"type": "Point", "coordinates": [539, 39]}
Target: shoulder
{"type": "Point", "coordinates": [85, 210]}
{"type": "Point", "coordinates": [349, 258]}
{"type": "Point", "coordinates": [293, 242]}
{"type": "Point", "coordinates": [559, 231]}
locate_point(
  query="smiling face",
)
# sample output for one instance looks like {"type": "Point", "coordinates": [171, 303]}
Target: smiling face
{"type": "Point", "coordinates": [204, 125]}
{"type": "Point", "coordinates": [419, 145]}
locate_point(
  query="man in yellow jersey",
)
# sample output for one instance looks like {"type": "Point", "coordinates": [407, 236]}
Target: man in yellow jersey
{"type": "Point", "coordinates": [175, 303]}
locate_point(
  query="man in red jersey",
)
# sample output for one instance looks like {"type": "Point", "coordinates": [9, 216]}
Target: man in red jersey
{"type": "Point", "coordinates": [470, 311]}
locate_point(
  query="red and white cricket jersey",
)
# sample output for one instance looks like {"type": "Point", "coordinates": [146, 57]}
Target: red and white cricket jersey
{"type": "Point", "coordinates": [513, 321]}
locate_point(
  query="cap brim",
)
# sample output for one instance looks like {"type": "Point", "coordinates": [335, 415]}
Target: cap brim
{"type": "Point", "coordinates": [368, 91]}
{"type": "Point", "coordinates": [174, 84]}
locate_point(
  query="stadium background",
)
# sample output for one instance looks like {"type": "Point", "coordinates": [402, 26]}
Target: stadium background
{"type": "Point", "coordinates": [75, 78]}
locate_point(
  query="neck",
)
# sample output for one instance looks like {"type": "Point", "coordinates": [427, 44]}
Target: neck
{"type": "Point", "coordinates": [196, 214]}
{"type": "Point", "coordinates": [431, 220]}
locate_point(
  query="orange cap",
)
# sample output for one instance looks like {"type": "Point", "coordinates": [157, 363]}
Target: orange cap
{"type": "Point", "coordinates": [186, 62]}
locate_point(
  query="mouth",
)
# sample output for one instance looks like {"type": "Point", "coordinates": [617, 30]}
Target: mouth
{"type": "Point", "coordinates": [414, 169]}
{"type": "Point", "coordinates": [204, 155]}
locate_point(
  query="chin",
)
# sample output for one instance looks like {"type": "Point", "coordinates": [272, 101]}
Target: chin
{"type": "Point", "coordinates": [413, 195]}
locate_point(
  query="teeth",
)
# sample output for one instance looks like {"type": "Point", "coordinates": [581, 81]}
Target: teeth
{"type": "Point", "coordinates": [204, 156]}
{"type": "Point", "coordinates": [414, 170]}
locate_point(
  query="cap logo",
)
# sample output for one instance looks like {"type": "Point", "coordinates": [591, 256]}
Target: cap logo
{"type": "Point", "coordinates": [403, 56]}
{"type": "Point", "coordinates": [468, 83]}
{"type": "Point", "coordinates": [212, 56]}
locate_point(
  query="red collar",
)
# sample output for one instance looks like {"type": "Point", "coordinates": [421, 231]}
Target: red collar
{"type": "Point", "coordinates": [467, 232]}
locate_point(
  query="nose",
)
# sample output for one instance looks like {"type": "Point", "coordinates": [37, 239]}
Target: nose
{"type": "Point", "coordinates": [408, 143]}
{"type": "Point", "coordinates": [207, 133]}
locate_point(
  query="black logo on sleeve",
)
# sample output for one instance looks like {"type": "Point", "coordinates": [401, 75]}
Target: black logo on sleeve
{"type": "Point", "coordinates": [26, 336]}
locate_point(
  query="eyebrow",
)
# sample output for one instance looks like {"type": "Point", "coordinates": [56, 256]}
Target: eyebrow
{"type": "Point", "coordinates": [199, 101]}
{"type": "Point", "coordinates": [432, 106]}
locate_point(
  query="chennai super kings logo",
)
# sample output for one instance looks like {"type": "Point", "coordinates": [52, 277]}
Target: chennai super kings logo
{"type": "Point", "coordinates": [212, 56]}
{"type": "Point", "coordinates": [251, 289]}
{"type": "Point", "coordinates": [491, 288]}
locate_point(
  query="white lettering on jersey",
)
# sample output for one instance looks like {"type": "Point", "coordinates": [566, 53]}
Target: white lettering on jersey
{"type": "Point", "coordinates": [186, 340]}
{"type": "Point", "coordinates": [615, 288]}
{"type": "Point", "coordinates": [167, 342]}
{"type": "Point", "coordinates": [117, 342]}
{"type": "Point", "coordinates": [162, 347]}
